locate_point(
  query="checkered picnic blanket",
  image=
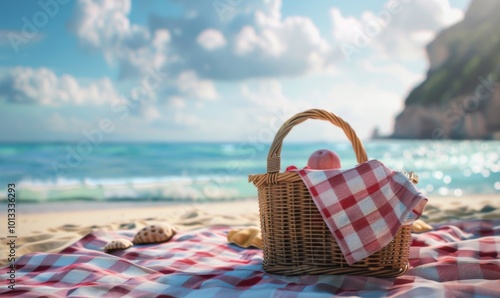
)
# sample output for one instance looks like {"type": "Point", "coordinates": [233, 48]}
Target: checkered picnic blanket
{"type": "Point", "coordinates": [455, 260]}
{"type": "Point", "coordinates": [365, 206]}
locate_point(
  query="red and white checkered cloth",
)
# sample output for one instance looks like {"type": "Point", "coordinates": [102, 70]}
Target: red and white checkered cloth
{"type": "Point", "coordinates": [458, 259]}
{"type": "Point", "coordinates": [365, 206]}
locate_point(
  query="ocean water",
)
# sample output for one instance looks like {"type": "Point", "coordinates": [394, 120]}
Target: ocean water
{"type": "Point", "coordinates": [196, 172]}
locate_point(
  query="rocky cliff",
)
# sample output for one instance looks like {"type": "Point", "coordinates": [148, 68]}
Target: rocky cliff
{"type": "Point", "coordinates": [460, 98]}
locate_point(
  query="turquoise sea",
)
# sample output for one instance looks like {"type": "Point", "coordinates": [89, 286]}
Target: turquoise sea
{"type": "Point", "coordinates": [196, 172]}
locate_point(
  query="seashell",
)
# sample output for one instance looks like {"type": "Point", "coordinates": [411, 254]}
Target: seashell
{"type": "Point", "coordinates": [246, 237]}
{"type": "Point", "coordinates": [118, 244]}
{"type": "Point", "coordinates": [420, 226]}
{"type": "Point", "coordinates": [154, 234]}
{"type": "Point", "coordinates": [412, 177]}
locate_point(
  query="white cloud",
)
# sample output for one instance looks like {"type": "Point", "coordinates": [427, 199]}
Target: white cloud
{"type": "Point", "coordinates": [256, 41]}
{"type": "Point", "coordinates": [396, 31]}
{"type": "Point", "coordinates": [257, 46]}
{"type": "Point", "coordinates": [271, 46]}
{"type": "Point", "coordinates": [268, 43]}
{"type": "Point", "coordinates": [343, 27]}
{"type": "Point", "coordinates": [161, 39]}
{"type": "Point", "coordinates": [396, 71]}
{"type": "Point", "coordinates": [267, 94]}
{"type": "Point", "coordinates": [43, 86]}
{"type": "Point", "coordinates": [246, 41]}
{"type": "Point", "coordinates": [256, 38]}
{"type": "Point", "coordinates": [430, 15]}
{"type": "Point", "coordinates": [150, 113]}
{"type": "Point", "coordinates": [370, 100]}
{"type": "Point", "coordinates": [190, 85]}
{"type": "Point", "coordinates": [104, 26]}
{"type": "Point", "coordinates": [364, 107]}
{"type": "Point", "coordinates": [185, 120]}
{"type": "Point", "coordinates": [211, 39]}
{"type": "Point", "coordinates": [177, 102]}
{"type": "Point", "coordinates": [264, 99]}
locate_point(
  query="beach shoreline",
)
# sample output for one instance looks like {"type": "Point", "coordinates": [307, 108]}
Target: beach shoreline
{"type": "Point", "coordinates": [36, 217]}
{"type": "Point", "coordinates": [86, 205]}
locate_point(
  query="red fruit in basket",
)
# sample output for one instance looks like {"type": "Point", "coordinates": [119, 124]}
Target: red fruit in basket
{"type": "Point", "coordinates": [290, 168]}
{"type": "Point", "coordinates": [324, 159]}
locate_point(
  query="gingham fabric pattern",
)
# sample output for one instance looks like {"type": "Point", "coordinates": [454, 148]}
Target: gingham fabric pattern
{"type": "Point", "coordinates": [363, 207]}
{"type": "Point", "coordinates": [458, 259]}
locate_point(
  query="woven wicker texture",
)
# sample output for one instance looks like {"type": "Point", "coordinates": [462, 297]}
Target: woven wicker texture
{"type": "Point", "coordinates": [296, 239]}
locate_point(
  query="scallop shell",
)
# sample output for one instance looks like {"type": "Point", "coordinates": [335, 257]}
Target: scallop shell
{"type": "Point", "coordinates": [154, 234]}
{"type": "Point", "coordinates": [420, 226]}
{"type": "Point", "coordinates": [118, 244]}
{"type": "Point", "coordinates": [246, 237]}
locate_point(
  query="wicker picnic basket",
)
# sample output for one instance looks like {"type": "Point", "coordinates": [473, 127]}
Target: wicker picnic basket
{"type": "Point", "coordinates": [295, 237]}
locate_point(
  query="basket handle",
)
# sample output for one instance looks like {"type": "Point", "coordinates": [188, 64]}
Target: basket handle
{"type": "Point", "coordinates": [274, 158]}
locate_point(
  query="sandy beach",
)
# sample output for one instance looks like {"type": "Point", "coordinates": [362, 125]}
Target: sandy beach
{"type": "Point", "coordinates": [53, 231]}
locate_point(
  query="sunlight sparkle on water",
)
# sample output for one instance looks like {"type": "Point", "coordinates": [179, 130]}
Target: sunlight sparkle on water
{"type": "Point", "coordinates": [438, 174]}
{"type": "Point", "coordinates": [443, 191]}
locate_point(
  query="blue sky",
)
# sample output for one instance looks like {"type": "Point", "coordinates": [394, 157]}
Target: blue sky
{"type": "Point", "coordinates": [218, 70]}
